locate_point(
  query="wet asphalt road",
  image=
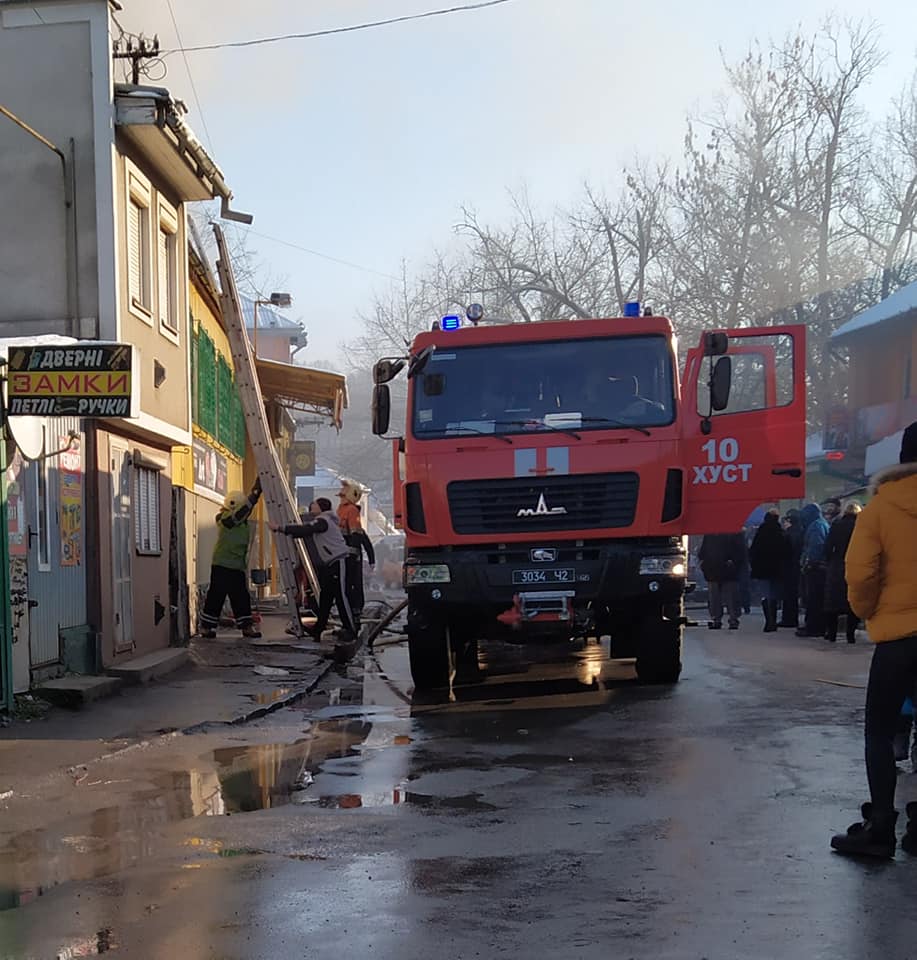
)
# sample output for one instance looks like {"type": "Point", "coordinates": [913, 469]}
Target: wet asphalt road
{"type": "Point", "coordinates": [554, 808]}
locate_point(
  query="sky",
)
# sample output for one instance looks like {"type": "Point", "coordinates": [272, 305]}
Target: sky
{"type": "Point", "coordinates": [365, 146]}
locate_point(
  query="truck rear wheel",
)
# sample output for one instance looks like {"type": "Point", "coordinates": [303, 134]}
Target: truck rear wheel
{"type": "Point", "coordinates": [659, 651]}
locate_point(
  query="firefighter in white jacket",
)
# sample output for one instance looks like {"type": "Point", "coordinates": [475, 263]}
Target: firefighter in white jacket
{"type": "Point", "coordinates": [332, 552]}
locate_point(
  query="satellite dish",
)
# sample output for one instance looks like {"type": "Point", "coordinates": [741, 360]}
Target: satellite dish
{"type": "Point", "coordinates": [28, 434]}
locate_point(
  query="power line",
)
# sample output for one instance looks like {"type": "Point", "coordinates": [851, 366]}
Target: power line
{"type": "Point", "coordinates": [334, 30]}
{"type": "Point", "coordinates": [197, 99]}
{"type": "Point", "coordinates": [324, 256]}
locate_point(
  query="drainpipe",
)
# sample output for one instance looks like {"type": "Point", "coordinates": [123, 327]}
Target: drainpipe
{"type": "Point", "coordinates": [70, 235]}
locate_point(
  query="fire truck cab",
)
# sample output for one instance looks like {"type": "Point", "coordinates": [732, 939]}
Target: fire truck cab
{"type": "Point", "coordinates": [548, 473]}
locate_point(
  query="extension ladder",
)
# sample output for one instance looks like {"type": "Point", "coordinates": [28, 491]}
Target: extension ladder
{"type": "Point", "coordinates": [278, 499]}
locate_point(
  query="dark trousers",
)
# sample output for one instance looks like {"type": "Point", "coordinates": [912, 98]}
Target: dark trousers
{"type": "Point", "coordinates": [815, 601]}
{"type": "Point", "coordinates": [891, 681]}
{"type": "Point", "coordinates": [333, 583]}
{"type": "Point", "coordinates": [831, 623]}
{"type": "Point", "coordinates": [355, 582]}
{"type": "Point", "coordinates": [725, 593]}
{"type": "Point", "coordinates": [790, 616]}
{"type": "Point", "coordinates": [234, 584]}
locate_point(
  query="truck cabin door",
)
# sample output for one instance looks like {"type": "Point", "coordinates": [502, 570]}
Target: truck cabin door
{"type": "Point", "coordinates": [752, 450]}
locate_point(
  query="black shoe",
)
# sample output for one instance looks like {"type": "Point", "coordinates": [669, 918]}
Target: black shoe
{"type": "Point", "coordinates": [208, 634]}
{"type": "Point", "coordinates": [874, 837]}
{"type": "Point", "coordinates": [733, 624]}
{"type": "Point", "coordinates": [250, 633]}
{"type": "Point", "coordinates": [715, 625]}
{"type": "Point", "coordinates": [909, 840]}
{"type": "Point", "coordinates": [831, 639]}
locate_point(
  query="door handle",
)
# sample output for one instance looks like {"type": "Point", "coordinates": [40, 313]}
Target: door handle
{"type": "Point", "coordinates": [787, 472]}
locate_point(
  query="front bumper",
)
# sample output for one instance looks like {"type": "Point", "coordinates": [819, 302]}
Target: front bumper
{"type": "Point", "coordinates": [487, 579]}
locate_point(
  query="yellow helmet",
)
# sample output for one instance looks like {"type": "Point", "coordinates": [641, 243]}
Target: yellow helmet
{"type": "Point", "coordinates": [234, 500]}
{"type": "Point", "coordinates": [350, 491]}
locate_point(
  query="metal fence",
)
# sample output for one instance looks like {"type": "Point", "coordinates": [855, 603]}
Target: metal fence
{"type": "Point", "coordinates": [216, 405]}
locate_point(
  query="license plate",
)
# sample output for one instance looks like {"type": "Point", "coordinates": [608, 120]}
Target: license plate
{"type": "Point", "coordinates": [543, 576]}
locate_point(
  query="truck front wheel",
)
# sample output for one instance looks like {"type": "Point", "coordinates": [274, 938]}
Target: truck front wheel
{"type": "Point", "coordinates": [431, 652]}
{"type": "Point", "coordinates": [659, 651]}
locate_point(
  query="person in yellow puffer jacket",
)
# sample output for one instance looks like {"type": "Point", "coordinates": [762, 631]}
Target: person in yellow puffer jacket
{"type": "Point", "coordinates": [881, 569]}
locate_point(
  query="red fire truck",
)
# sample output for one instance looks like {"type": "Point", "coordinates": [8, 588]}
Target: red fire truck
{"type": "Point", "coordinates": [548, 473]}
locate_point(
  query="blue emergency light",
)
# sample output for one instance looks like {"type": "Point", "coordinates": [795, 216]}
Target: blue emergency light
{"type": "Point", "coordinates": [632, 308]}
{"type": "Point", "coordinates": [451, 322]}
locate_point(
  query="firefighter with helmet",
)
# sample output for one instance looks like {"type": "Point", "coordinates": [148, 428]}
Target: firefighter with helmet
{"type": "Point", "coordinates": [229, 567]}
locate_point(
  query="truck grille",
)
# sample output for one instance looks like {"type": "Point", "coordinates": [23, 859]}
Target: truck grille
{"type": "Point", "coordinates": [521, 505]}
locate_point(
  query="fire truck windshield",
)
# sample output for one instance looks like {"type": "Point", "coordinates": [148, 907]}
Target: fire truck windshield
{"type": "Point", "coordinates": [570, 385]}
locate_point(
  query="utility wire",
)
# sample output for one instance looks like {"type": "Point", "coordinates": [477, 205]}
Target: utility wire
{"type": "Point", "coordinates": [197, 99]}
{"type": "Point", "coordinates": [334, 30]}
{"type": "Point", "coordinates": [324, 256]}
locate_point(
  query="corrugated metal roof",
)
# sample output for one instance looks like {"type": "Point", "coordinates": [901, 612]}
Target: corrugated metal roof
{"type": "Point", "coordinates": [901, 302]}
{"type": "Point", "coordinates": [268, 318]}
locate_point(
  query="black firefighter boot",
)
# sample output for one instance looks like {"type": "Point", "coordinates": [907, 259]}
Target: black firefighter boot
{"type": "Point", "coordinates": [909, 840]}
{"type": "Point", "coordinates": [874, 837]}
{"type": "Point", "coordinates": [770, 616]}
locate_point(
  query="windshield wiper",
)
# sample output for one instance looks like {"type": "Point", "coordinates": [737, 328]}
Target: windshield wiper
{"type": "Point", "coordinates": [539, 425]}
{"type": "Point", "coordinates": [617, 423]}
{"type": "Point", "coordinates": [482, 433]}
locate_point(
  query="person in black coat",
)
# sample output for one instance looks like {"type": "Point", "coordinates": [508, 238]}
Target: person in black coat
{"type": "Point", "coordinates": [836, 602]}
{"type": "Point", "coordinates": [770, 555]}
{"type": "Point", "coordinates": [794, 534]}
{"type": "Point", "coordinates": [721, 556]}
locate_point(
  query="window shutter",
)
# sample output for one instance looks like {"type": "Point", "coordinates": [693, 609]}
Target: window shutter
{"type": "Point", "coordinates": [135, 252]}
{"type": "Point", "coordinates": [146, 510]}
{"type": "Point", "coordinates": [155, 544]}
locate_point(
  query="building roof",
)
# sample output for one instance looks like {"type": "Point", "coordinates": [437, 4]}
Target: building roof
{"type": "Point", "coordinates": [900, 303]}
{"type": "Point", "coordinates": [268, 318]}
{"type": "Point", "coordinates": [152, 119]}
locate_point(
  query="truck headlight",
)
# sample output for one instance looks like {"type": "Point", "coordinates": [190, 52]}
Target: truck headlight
{"type": "Point", "coordinates": [426, 573]}
{"type": "Point", "coordinates": [662, 566]}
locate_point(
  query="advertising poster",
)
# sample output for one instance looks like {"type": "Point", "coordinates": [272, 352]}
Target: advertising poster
{"type": "Point", "coordinates": [70, 472]}
{"type": "Point", "coordinates": [211, 469]}
{"type": "Point", "coordinates": [15, 508]}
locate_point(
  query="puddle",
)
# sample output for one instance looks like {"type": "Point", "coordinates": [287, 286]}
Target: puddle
{"type": "Point", "coordinates": [348, 760]}
{"type": "Point", "coordinates": [351, 758]}
{"type": "Point", "coordinates": [270, 697]}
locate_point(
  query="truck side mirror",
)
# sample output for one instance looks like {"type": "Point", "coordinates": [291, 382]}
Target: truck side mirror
{"type": "Point", "coordinates": [382, 409]}
{"type": "Point", "coordinates": [386, 370]}
{"type": "Point", "coordinates": [720, 383]}
{"type": "Point", "coordinates": [715, 344]}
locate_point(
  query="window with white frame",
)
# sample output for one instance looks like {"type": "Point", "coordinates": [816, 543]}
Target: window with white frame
{"type": "Point", "coordinates": [139, 254]}
{"type": "Point", "coordinates": [167, 268]}
{"type": "Point", "coordinates": [146, 511]}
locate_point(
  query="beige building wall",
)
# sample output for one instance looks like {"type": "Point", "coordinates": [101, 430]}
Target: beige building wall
{"type": "Point", "coordinates": [159, 334]}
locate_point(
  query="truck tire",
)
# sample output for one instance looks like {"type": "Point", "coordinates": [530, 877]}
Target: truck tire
{"type": "Point", "coordinates": [432, 657]}
{"type": "Point", "coordinates": [659, 653]}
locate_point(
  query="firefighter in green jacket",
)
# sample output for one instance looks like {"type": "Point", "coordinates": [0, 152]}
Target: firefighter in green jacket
{"type": "Point", "coordinates": [229, 567]}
